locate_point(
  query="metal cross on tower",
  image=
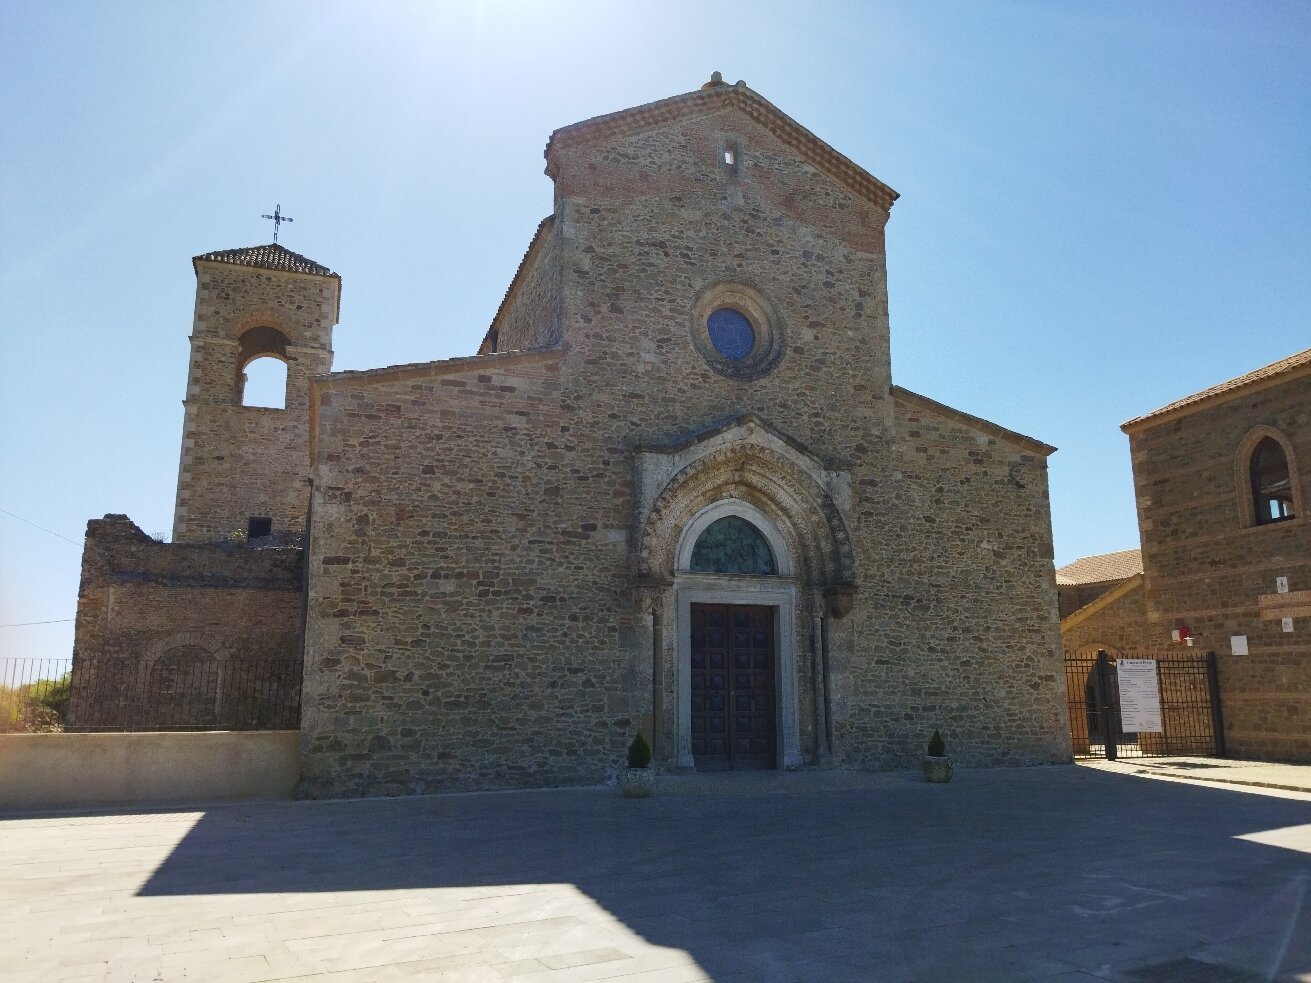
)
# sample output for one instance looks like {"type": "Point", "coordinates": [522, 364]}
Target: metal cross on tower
{"type": "Point", "coordinates": [278, 218]}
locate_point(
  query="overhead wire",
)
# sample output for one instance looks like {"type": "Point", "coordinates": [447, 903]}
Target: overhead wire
{"type": "Point", "coordinates": [42, 528]}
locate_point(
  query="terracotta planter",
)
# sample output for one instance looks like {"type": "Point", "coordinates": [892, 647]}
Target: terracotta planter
{"type": "Point", "coordinates": [637, 783]}
{"type": "Point", "coordinates": [937, 769]}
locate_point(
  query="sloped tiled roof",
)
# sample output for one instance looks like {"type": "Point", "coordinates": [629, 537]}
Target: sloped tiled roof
{"type": "Point", "coordinates": [268, 257]}
{"type": "Point", "coordinates": [1302, 360]}
{"type": "Point", "coordinates": [1100, 568]}
{"type": "Point", "coordinates": [1121, 590]}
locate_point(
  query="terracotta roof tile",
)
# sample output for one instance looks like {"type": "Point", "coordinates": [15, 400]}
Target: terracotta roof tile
{"type": "Point", "coordinates": [1300, 360]}
{"type": "Point", "coordinates": [268, 257]}
{"type": "Point", "coordinates": [1100, 568]}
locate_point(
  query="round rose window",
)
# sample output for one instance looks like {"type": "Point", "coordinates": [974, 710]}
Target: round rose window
{"type": "Point", "coordinates": [731, 333]}
{"type": "Point", "coordinates": [737, 330]}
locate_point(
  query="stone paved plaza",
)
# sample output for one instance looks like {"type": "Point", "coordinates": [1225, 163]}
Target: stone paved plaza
{"type": "Point", "coordinates": [1059, 873]}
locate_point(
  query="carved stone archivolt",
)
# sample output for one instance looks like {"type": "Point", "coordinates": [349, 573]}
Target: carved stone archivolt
{"type": "Point", "coordinates": [803, 511]}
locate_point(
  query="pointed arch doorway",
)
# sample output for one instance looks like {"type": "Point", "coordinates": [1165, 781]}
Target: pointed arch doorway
{"type": "Point", "coordinates": [736, 666]}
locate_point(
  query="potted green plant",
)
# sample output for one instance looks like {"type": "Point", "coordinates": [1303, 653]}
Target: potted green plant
{"type": "Point", "coordinates": [937, 766]}
{"type": "Point", "coordinates": [638, 780]}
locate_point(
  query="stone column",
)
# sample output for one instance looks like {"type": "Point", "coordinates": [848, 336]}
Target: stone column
{"type": "Point", "coordinates": [818, 672]}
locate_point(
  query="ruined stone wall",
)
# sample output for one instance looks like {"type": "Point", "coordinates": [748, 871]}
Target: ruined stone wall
{"type": "Point", "coordinates": [1119, 625]}
{"type": "Point", "coordinates": [530, 316]}
{"type": "Point", "coordinates": [215, 614]}
{"type": "Point", "coordinates": [243, 461]}
{"type": "Point", "coordinates": [1208, 568]}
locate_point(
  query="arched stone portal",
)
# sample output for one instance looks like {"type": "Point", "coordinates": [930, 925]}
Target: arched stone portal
{"type": "Point", "coordinates": [742, 470]}
{"type": "Point", "coordinates": [757, 610]}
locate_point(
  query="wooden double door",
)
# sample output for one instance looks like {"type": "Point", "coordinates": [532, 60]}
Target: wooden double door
{"type": "Point", "coordinates": [733, 700]}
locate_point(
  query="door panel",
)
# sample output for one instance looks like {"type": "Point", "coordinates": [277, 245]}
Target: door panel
{"type": "Point", "coordinates": [732, 666]}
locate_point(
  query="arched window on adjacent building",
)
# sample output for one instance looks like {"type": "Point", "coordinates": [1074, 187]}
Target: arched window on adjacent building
{"type": "Point", "coordinates": [733, 545]}
{"type": "Point", "coordinates": [1271, 482]}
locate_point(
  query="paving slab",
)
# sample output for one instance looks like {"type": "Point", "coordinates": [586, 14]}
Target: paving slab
{"type": "Point", "coordinates": [1224, 771]}
{"type": "Point", "coordinates": [1117, 873]}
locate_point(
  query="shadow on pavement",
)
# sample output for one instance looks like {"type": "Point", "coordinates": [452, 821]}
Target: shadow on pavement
{"type": "Point", "coordinates": [1009, 874]}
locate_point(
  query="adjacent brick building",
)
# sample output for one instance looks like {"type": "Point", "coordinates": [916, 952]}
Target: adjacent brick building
{"type": "Point", "coordinates": [1082, 581]}
{"type": "Point", "coordinates": [676, 491]}
{"type": "Point", "coordinates": [1221, 479]}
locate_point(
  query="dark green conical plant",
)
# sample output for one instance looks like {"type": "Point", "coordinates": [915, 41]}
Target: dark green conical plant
{"type": "Point", "coordinates": [639, 753]}
{"type": "Point", "coordinates": [937, 746]}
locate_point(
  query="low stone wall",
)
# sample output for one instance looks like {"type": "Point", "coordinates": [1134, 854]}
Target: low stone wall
{"type": "Point", "coordinates": [66, 770]}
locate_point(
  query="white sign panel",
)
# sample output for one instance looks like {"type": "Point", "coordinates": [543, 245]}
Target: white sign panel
{"type": "Point", "coordinates": [1140, 696]}
{"type": "Point", "coordinates": [1281, 585]}
{"type": "Point", "coordinates": [1238, 644]}
{"type": "Point", "coordinates": [1288, 624]}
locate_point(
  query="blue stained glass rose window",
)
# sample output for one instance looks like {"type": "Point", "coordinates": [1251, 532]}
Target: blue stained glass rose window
{"type": "Point", "coordinates": [731, 333]}
{"type": "Point", "coordinates": [732, 545]}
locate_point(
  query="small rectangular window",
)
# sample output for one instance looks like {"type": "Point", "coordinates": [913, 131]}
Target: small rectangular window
{"type": "Point", "coordinates": [731, 155]}
{"type": "Point", "coordinates": [258, 527]}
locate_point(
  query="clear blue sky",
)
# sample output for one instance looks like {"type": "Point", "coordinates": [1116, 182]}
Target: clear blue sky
{"type": "Point", "coordinates": [1104, 206]}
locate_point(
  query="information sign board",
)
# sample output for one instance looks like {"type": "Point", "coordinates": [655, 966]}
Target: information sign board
{"type": "Point", "coordinates": [1140, 696]}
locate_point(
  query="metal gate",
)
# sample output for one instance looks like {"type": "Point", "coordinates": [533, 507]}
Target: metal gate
{"type": "Point", "coordinates": [1191, 718]}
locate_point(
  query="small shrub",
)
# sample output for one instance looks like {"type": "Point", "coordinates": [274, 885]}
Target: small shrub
{"type": "Point", "coordinates": [639, 753]}
{"type": "Point", "coordinates": [937, 746]}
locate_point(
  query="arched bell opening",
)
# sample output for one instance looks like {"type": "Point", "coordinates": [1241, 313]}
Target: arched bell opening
{"type": "Point", "coordinates": [262, 368]}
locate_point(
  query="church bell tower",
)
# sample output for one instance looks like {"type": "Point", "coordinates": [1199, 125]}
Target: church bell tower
{"type": "Point", "coordinates": [244, 469]}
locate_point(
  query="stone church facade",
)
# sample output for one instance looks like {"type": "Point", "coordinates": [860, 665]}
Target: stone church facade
{"type": "Point", "coordinates": [675, 491]}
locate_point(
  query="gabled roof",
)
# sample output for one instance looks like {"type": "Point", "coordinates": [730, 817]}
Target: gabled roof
{"type": "Point", "coordinates": [539, 236]}
{"type": "Point", "coordinates": [712, 97]}
{"type": "Point", "coordinates": [1120, 590]}
{"type": "Point", "coordinates": [1100, 568]}
{"type": "Point", "coordinates": [1291, 367]}
{"type": "Point", "coordinates": [969, 419]}
{"type": "Point", "coordinates": [268, 257]}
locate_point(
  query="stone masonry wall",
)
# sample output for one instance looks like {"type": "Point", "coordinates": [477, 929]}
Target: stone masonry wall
{"type": "Point", "coordinates": [474, 620]}
{"type": "Point", "coordinates": [243, 461]}
{"type": "Point", "coordinates": [1119, 626]}
{"type": "Point", "coordinates": [457, 581]}
{"type": "Point", "coordinates": [958, 631]}
{"type": "Point", "coordinates": [650, 221]}
{"type": "Point", "coordinates": [1072, 597]}
{"type": "Point", "coordinates": [530, 317]}
{"type": "Point", "coordinates": [141, 601]}
{"type": "Point", "coordinates": [1208, 570]}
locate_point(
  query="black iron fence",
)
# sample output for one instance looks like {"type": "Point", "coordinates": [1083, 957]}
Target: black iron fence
{"type": "Point", "coordinates": [175, 692]}
{"type": "Point", "coordinates": [1191, 721]}
{"type": "Point", "coordinates": [33, 695]}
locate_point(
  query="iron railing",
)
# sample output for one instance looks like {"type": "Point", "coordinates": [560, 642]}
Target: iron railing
{"type": "Point", "coordinates": [1191, 719]}
{"type": "Point", "coordinates": [33, 695]}
{"type": "Point", "coordinates": [174, 693]}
